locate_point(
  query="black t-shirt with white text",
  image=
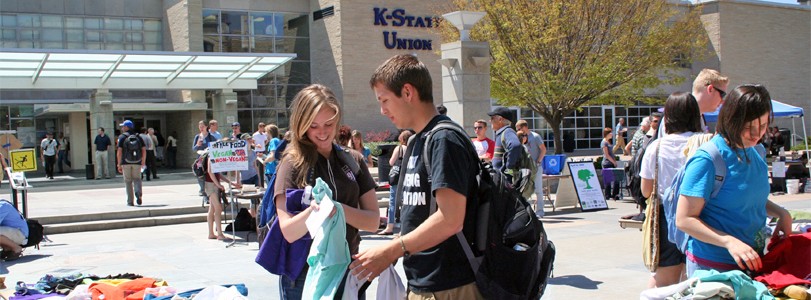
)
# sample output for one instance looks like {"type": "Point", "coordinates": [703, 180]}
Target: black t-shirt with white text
{"type": "Point", "coordinates": [453, 166]}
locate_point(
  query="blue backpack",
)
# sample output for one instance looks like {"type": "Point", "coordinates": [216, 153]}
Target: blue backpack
{"type": "Point", "coordinates": [671, 198]}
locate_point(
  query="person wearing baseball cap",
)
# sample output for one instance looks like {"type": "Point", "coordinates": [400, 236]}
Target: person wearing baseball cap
{"type": "Point", "coordinates": [130, 161]}
{"type": "Point", "coordinates": [508, 147]}
{"type": "Point", "coordinates": [236, 133]}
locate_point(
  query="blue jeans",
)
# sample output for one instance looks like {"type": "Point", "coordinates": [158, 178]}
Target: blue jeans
{"type": "Point", "coordinates": [392, 204]}
{"type": "Point", "coordinates": [290, 289]}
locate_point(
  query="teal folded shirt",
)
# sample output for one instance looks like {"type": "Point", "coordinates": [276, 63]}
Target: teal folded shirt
{"type": "Point", "coordinates": [329, 256]}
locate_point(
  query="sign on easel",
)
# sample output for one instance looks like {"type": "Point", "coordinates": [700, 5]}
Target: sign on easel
{"type": "Point", "coordinates": [23, 160]}
{"type": "Point", "coordinates": [587, 186]}
{"type": "Point", "coordinates": [228, 156]}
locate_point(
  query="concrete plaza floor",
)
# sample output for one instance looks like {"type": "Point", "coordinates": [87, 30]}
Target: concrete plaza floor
{"type": "Point", "coordinates": [596, 259]}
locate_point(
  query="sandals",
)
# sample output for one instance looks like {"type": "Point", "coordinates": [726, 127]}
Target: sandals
{"type": "Point", "coordinates": [383, 232]}
{"type": "Point", "coordinates": [9, 255]}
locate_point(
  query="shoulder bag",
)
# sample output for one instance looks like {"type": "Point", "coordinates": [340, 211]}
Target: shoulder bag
{"type": "Point", "coordinates": [650, 228]}
{"type": "Point", "coordinates": [394, 172]}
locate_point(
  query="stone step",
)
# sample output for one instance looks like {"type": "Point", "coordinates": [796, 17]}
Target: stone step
{"type": "Point", "coordinates": [124, 223]}
{"type": "Point", "coordinates": [118, 215]}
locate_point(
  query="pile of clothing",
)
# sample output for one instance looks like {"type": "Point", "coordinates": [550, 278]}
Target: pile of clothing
{"type": "Point", "coordinates": [117, 287]}
{"type": "Point", "coordinates": [786, 273]}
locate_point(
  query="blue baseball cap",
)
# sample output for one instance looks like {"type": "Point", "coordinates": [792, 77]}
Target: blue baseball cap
{"type": "Point", "coordinates": [127, 123]}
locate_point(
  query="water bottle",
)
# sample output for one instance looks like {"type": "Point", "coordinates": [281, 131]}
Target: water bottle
{"type": "Point", "coordinates": [782, 154]}
{"type": "Point", "coordinates": [520, 247]}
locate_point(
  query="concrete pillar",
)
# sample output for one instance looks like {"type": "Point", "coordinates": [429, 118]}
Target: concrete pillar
{"type": "Point", "coordinates": [466, 81]}
{"type": "Point", "coordinates": [78, 140]}
{"type": "Point", "coordinates": [101, 115]}
{"type": "Point", "coordinates": [224, 109]}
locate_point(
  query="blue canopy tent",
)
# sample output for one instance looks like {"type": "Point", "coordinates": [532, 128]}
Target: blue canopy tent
{"type": "Point", "coordinates": [781, 110]}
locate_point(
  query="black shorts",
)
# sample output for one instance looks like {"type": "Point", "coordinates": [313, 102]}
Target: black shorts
{"type": "Point", "coordinates": [669, 254]}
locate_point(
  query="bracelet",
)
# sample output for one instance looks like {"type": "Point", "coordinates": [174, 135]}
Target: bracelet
{"type": "Point", "coordinates": [406, 254]}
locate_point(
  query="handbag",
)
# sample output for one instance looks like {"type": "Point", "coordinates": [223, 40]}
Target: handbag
{"type": "Point", "coordinates": [394, 172]}
{"type": "Point", "coordinates": [650, 228]}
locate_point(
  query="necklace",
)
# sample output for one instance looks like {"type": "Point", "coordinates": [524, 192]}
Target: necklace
{"type": "Point", "coordinates": [332, 178]}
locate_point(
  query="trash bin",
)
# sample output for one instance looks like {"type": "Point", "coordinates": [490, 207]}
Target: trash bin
{"type": "Point", "coordinates": [553, 164]}
{"type": "Point", "coordinates": [89, 171]}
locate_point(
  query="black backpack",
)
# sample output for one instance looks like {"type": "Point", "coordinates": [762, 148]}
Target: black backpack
{"type": "Point", "coordinates": [242, 222]}
{"type": "Point", "coordinates": [635, 181]}
{"type": "Point", "coordinates": [513, 256]}
{"type": "Point", "coordinates": [35, 233]}
{"type": "Point", "coordinates": [132, 148]}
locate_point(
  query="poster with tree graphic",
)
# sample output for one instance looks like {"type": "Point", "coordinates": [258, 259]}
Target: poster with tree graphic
{"type": "Point", "coordinates": [587, 186]}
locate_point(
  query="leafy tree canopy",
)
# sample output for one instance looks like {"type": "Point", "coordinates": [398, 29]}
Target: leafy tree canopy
{"type": "Point", "coordinates": [555, 56]}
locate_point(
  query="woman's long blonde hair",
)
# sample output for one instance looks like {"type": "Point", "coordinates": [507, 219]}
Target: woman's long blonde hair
{"type": "Point", "coordinates": [306, 105]}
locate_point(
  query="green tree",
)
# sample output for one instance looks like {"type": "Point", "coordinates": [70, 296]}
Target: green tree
{"type": "Point", "coordinates": [556, 56]}
{"type": "Point", "coordinates": [585, 175]}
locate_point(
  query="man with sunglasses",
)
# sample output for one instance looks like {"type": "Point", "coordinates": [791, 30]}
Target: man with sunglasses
{"type": "Point", "coordinates": [709, 89]}
{"type": "Point", "coordinates": [484, 145]}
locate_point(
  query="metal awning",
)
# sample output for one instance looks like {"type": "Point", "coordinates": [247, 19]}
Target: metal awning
{"type": "Point", "coordinates": [134, 70]}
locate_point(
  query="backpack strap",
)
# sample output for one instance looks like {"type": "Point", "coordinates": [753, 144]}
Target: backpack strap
{"type": "Point", "coordinates": [347, 159]}
{"type": "Point", "coordinates": [475, 262]}
{"type": "Point", "coordinates": [720, 168]}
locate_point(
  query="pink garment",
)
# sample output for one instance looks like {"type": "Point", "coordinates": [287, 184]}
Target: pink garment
{"type": "Point", "coordinates": [788, 262]}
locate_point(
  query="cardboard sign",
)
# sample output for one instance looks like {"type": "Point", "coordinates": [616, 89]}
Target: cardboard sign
{"type": "Point", "coordinates": [228, 156]}
{"type": "Point", "coordinates": [587, 186]}
{"type": "Point", "coordinates": [23, 160]}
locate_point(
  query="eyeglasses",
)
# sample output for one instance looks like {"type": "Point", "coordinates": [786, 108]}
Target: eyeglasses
{"type": "Point", "coordinates": [721, 92]}
{"type": "Point", "coordinates": [478, 127]}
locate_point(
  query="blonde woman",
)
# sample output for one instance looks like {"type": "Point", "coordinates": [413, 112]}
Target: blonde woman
{"type": "Point", "coordinates": [356, 143]}
{"type": "Point", "coordinates": [314, 124]}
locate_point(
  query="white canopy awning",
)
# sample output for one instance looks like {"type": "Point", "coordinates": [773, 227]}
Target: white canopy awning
{"type": "Point", "coordinates": [134, 70]}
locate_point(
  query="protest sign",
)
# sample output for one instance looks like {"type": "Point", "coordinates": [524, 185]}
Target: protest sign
{"type": "Point", "coordinates": [228, 156]}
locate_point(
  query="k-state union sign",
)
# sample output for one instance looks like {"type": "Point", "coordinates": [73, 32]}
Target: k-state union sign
{"type": "Point", "coordinates": [399, 18]}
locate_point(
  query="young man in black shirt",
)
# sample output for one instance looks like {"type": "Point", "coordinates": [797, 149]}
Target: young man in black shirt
{"type": "Point", "coordinates": [434, 261]}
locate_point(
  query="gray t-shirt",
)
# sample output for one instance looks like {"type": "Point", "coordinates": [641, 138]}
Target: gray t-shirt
{"type": "Point", "coordinates": [535, 141]}
{"type": "Point", "coordinates": [604, 144]}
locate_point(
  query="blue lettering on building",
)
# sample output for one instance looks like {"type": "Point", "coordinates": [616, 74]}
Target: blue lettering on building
{"type": "Point", "coordinates": [399, 18]}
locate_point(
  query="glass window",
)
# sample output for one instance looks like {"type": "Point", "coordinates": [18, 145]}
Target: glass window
{"type": "Point", "coordinates": [71, 22]}
{"type": "Point", "coordinates": [152, 25]}
{"type": "Point", "coordinates": [244, 99]}
{"type": "Point", "coordinates": [93, 46]}
{"type": "Point", "coordinates": [265, 115]}
{"type": "Point", "coordinates": [8, 20]}
{"type": "Point", "coordinates": [52, 35]}
{"type": "Point", "coordinates": [53, 45]}
{"type": "Point", "coordinates": [235, 44]}
{"type": "Point", "coordinates": [244, 119]}
{"type": "Point", "coordinates": [9, 35]}
{"type": "Point", "coordinates": [293, 25]}
{"type": "Point", "coordinates": [74, 35]}
{"type": "Point", "coordinates": [75, 46]}
{"type": "Point", "coordinates": [234, 22]}
{"type": "Point", "coordinates": [92, 23]}
{"type": "Point", "coordinates": [29, 34]}
{"type": "Point", "coordinates": [9, 44]}
{"type": "Point", "coordinates": [134, 24]}
{"type": "Point", "coordinates": [211, 21]}
{"type": "Point", "coordinates": [136, 37]}
{"type": "Point", "coordinates": [113, 24]}
{"type": "Point", "coordinates": [299, 46]}
{"type": "Point", "coordinates": [211, 43]}
{"type": "Point", "coordinates": [152, 47]}
{"type": "Point", "coordinates": [52, 21]}
{"type": "Point", "coordinates": [21, 111]}
{"type": "Point", "coordinates": [135, 47]}
{"type": "Point", "coordinates": [93, 36]}
{"type": "Point", "coordinates": [113, 37]}
{"type": "Point", "coordinates": [28, 21]}
{"type": "Point", "coordinates": [263, 24]}
{"type": "Point", "coordinates": [295, 73]}
{"type": "Point", "coordinates": [262, 45]}
{"type": "Point", "coordinates": [152, 37]}
{"type": "Point", "coordinates": [113, 46]}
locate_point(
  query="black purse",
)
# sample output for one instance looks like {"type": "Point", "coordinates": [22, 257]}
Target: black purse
{"type": "Point", "coordinates": [394, 172]}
